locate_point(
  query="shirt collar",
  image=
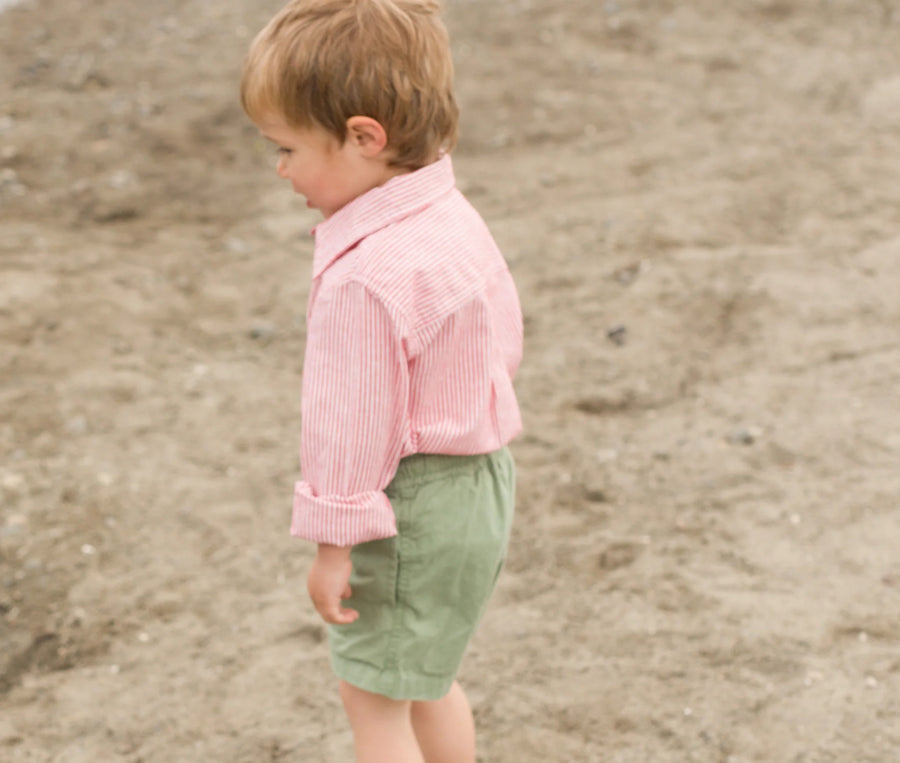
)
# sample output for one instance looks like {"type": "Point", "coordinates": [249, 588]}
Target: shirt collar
{"type": "Point", "coordinates": [400, 197]}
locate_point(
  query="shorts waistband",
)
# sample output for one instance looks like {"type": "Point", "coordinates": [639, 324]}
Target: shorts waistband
{"type": "Point", "coordinates": [424, 467]}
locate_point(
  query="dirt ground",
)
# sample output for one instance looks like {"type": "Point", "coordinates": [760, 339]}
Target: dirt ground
{"type": "Point", "coordinates": [700, 202]}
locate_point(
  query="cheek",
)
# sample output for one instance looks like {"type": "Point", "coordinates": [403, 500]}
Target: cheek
{"type": "Point", "coordinates": [288, 174]}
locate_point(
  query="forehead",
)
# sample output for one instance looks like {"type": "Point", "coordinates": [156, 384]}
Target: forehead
{"type": "Point", "coordinates": [276, 128]}
{"type": "Point", "coordinates": [283, 134]}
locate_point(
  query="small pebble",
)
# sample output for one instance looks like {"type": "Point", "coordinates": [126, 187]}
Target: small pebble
{"type": "Point", "coordinates": [237, 245]}
{"type": "Point", "coordinates": [606, 455]}
{"type": "Point", "coordinates": [617, 334]}
{"type": "Point", "coordinates": [76, 425]}
{"type": "Point", "coordinates": [9, 177]}
{"type": "Point", "coordinates": [78, 617]}
{"type": "Point", "coordinates": [12, 481]}
{"type": "Point", "coordinates": [746, 436]}
{"type": "Point", "coordinates": [122, 179]}
{"type": "Point", "coordinates": [500, 140]}
{"type": "Point", "coordinates": [627, 274]}
{"type": "Point", "coordinates": [262, 331]}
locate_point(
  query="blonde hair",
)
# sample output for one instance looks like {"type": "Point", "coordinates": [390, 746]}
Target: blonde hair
{"type": "Point", "coordinates": [320, 62]}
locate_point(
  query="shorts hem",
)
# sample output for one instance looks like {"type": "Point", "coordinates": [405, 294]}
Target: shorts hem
{"type": "Point", "coordinates": [390, 684]}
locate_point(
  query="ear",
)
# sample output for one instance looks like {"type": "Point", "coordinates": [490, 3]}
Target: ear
{"type": "Point", "coordinates": [367, 135]}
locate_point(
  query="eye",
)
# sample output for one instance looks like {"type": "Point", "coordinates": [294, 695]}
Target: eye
{"type": "Point", "coordinates": [283, 151]}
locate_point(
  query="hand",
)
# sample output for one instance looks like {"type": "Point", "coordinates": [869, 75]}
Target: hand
{"type": "Point", "coordinates": [329, 582]}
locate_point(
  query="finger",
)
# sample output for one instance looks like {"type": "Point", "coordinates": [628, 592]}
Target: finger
{"type": "Point", "coordinates": [340, 617]}
{"type": "Point", "coordinates": [346, 616]}
{"type": "Point", "coordinates": [332, 612]}
{"type": "Point", "coordinates": [347, 593]}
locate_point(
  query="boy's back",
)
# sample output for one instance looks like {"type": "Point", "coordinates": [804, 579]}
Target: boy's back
{"type": "Point", "coordinates": [426, 255]}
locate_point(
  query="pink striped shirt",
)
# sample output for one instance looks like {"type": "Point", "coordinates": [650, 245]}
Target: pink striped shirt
{"type": "Point", "coordinates": [414, 334]}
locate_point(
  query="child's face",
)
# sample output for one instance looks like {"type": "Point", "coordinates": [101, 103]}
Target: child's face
{"type": "Point", "coordinates": [328, 173]}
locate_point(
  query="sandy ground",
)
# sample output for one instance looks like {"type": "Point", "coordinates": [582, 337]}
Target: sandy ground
{"type": "Point", "coordinates": [701, 205]}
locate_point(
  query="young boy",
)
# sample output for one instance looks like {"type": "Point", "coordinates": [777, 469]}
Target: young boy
{"type": "Point", "coordinates": [414, 334]}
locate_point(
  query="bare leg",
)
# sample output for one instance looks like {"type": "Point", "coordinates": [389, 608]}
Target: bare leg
{"type": "Point", "coordinates": [382, 731]}
{"type": "Point", "coordinates": [445, 728]}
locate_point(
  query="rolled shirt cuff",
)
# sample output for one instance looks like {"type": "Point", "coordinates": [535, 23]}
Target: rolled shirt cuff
{"type": "Point", "coordinates": [341, 520]}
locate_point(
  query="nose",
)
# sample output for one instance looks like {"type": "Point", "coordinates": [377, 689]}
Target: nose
{"type": "Point", "coordinates": [281, 166]}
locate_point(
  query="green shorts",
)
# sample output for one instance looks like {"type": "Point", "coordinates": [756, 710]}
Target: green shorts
{"type": "Point", "coordinates": [421, 593]}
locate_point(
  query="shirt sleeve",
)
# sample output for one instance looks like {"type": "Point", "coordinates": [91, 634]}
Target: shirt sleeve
{"type": "Point", "coordinates": [354, 402]}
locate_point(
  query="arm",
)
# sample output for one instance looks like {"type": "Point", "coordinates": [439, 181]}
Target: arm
{"type": "Point", "coordinates": [355, 397]}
